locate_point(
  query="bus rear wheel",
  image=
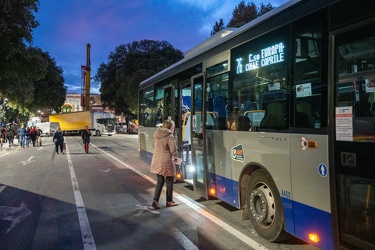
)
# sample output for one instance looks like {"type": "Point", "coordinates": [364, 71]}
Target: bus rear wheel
{"type": "Point", "coordinates": [265, 208]}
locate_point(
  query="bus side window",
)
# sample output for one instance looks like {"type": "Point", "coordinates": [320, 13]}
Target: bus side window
{"type": "Point", "coordinates": [274, 117]}
{"type": "Point", "coordinates": [304, 115]}
{"type": "Point", "coordinates": [276, 112]}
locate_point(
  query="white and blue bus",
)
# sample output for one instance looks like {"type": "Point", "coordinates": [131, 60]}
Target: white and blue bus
{"type": "Point", "coordinates": [278, 117]}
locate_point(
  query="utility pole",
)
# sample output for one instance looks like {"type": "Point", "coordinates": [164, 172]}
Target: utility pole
{"type": "Point", "coordinates": [85, 81]}
{"type": "Point", "coordinates": [88, 69]}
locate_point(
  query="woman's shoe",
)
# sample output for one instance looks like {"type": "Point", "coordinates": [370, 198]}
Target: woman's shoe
{"type": "Point", "coordinates": [155, 205]}
{"type": "Point", "coordinates": [171, 204]}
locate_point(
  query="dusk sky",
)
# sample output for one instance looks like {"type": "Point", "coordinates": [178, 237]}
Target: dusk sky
{"type": "Point", "coordinates": [67, 26]}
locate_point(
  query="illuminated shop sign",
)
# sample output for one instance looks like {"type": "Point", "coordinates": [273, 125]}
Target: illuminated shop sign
{"type": "Point", "coordinates": [267, 56]}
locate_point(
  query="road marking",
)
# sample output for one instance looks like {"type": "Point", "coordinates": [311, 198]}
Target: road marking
{"type": "Point", "coordinates": [146, 208]}
{"type": "Point", "coordinates": [4, 150]}
{"type": "Point", "coordinates": [14, 214]}
{"type": "Point", "coordinates": [105, 171]}
{"type": "Point", "coordinates": [250, 242]}
{"type": "Point", "coordinates": [182, 239]}
{"type": "Point", "coordinates": [87, 237]}
{"type": "Point", "coordinates": [28, 161]}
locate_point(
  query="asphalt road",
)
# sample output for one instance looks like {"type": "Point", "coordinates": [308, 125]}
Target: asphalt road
{"type": "Point", "coordinates": [101, 200]}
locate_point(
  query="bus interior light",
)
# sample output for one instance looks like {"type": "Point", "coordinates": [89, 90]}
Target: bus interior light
{"type": "Point", "coordinates": [191, 168]}
{"type": "Point", "coordinates": [314, 237]}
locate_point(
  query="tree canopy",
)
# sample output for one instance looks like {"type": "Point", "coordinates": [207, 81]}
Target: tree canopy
{"type": "Point", "coordinates": [29, 77]}
{"type": "Point", "coordinates": [242, 14]}
{"type": "Point", "coordinates": [127, 66]}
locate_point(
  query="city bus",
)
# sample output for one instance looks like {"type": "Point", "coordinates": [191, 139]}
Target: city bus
{"type": "Point", "coordinates": [278, 119]}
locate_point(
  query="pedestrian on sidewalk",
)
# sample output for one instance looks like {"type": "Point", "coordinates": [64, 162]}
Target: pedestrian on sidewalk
{"type": "Point", "coordinates": [86, 138]}
{"type": "Point", "coordinates": [162, 163]}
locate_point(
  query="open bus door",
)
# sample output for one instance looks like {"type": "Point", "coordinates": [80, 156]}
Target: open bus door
{"type": "Point", "coordinates": [354, 140]}
{"type": "Point", "coordinates": [198, 140]}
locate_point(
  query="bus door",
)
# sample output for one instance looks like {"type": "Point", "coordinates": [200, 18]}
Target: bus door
{"type": "Point", "coordinates": [169, 105]}
{"type": "Point", "coordinates": [354, 136]}
{"type": "Point", "coordinates": [198, 140]}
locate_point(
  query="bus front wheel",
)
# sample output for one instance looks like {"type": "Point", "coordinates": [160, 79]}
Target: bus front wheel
{"type": "Point", "coordinates": [265, 207]}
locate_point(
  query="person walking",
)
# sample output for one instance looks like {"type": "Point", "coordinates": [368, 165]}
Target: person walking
{"type": "Point", "coordinates": [33, 135]}
{"type": "Point", "coordinates": [86, 138]}
{"type": "Point", "coordinates": [2, 135]}
{"type": "Point", "coordinates": [38, 136]}
{"type": "Point", "coordinates": [162, 163]}
{"type": "Point", "coordinates": [21, 136]}
{"type": "Point", "coordinates": [58, 139]}
{"type": "Point", "coordinates": [27, 136]}
{"type": "Point", "coordinates": [10, 136]}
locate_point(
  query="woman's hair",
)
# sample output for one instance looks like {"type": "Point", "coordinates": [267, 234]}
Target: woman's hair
{"type": "Point", "coordinates": [168, 124]}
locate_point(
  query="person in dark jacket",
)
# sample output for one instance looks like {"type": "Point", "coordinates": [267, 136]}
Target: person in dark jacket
{"type": "Point", "coordinates": [10, 136]}
{"type": "Point", "coordinates": [162, 163]}
{"type": "Point", "coordinates": [2, 135]}
{"type": "Point", "coordinates": [86, 138]}
{"type": "Point", "coordinates": [27, 136]}
{"type": "Point", "coordinates": [58, 139]}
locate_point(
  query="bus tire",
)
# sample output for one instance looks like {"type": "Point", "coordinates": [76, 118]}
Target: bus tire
{"type": "Point", "coordinates": [97, 133]}
{"type": "Point", "coordinates": [265, 208]}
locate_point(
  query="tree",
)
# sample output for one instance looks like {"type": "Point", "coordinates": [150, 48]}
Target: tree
{"type": "Point", "coordinates": [29, 77]}
{"type": "Point", "coordinates": [16, 24]}
{"type": "Point", "coordinates": [127, 66]}
{"type": "Point", "coordinates": [217, 27]}
{"type": "Point", "coordinates": [49, 90]}
{"type": "Point", "coordinates": [39, 86]}
{"type": "Point", "coordinates": [264, 8]}
{"type": "Point", "coordinates": [242, 14]}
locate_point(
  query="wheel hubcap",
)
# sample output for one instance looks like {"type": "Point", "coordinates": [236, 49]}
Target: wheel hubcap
{"type": "Point", "coordinates": [262, 205]}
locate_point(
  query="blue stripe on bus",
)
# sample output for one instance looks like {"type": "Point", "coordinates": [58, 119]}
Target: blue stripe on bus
{"type": "Point", "coordinates": [226, 189]}
{"type": "Point", "coordinates": [312, 220]}
{"type": "Point", "coordinates": [300, 219]}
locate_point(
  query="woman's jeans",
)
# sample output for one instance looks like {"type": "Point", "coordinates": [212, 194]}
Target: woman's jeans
{"type": "Point", "coordinates": [159, 187]}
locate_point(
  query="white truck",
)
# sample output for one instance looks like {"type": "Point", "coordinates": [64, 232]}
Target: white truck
{"type": "Point", "coordinates": [48, 128]}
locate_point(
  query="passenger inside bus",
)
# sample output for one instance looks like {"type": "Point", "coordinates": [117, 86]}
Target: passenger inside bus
{"type": "Point", "coordinates": [244, 123]}
{"type": "Point", "coordinates": [274, 117]}
{"type": "Point", "coordinates": [219, 106]}
{"type": "Point", "coordinates": [304, 115]}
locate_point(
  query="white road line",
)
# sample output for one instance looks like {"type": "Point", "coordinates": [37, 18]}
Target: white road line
{"type": "Point", "coordinates": [182, 239]}
{"type": "Point", "coordinates": [87, 237]}
{"type": "Point", "coordinates": [250, 242]}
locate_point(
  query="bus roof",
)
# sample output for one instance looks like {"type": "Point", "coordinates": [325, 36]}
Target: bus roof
{"type": "Point", "coordinates": [200, 48]}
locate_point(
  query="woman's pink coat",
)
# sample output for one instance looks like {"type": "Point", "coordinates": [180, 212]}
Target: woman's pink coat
{"type": "Point", "coordinates": [164, 148]}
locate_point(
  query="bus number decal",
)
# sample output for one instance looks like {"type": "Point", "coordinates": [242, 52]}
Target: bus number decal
{"type": "Point", "coordinates": [286, 194]}
{"type": "Point", "coordinates": [237, 153]}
